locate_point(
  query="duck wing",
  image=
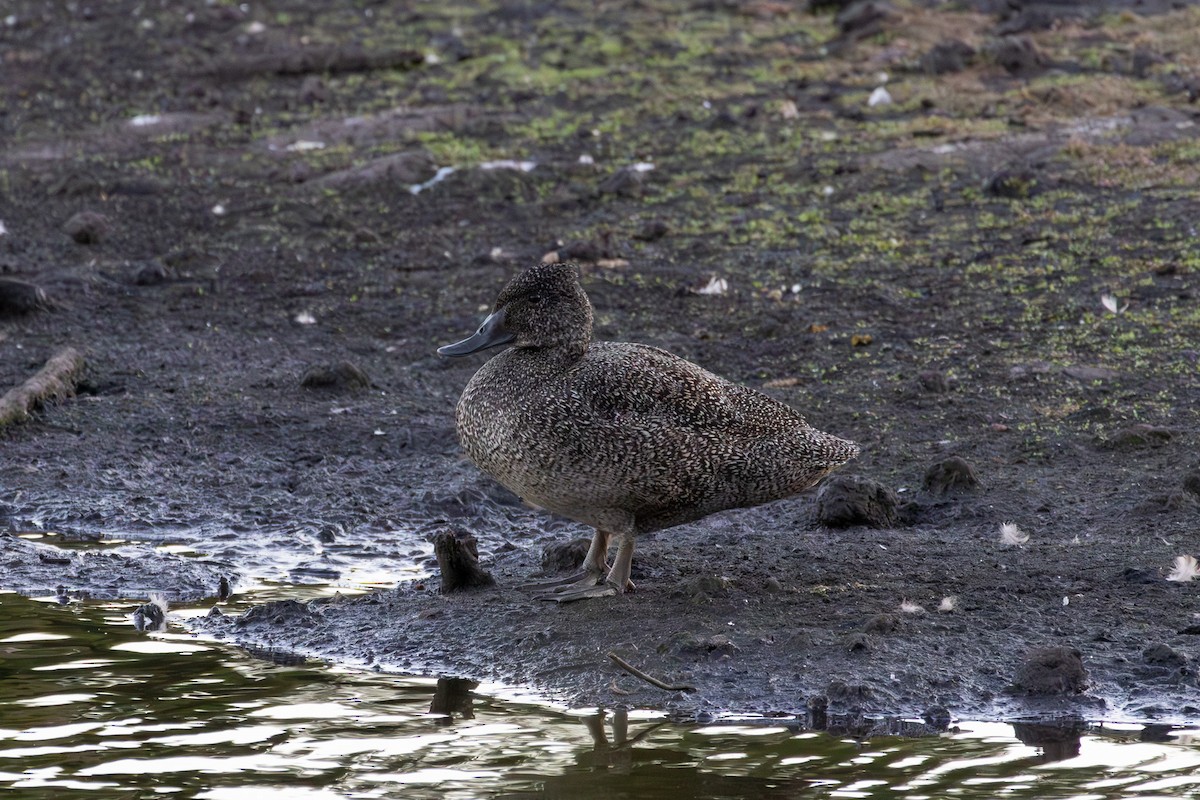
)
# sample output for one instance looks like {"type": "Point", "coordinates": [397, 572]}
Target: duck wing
{"type": "Point", "coordinates": [646, 388]}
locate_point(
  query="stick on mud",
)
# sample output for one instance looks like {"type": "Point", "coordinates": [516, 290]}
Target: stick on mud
{"type": "Point", "coordinates": [650, 679]}
{"type": "Point", "coordinates": [56, 379]}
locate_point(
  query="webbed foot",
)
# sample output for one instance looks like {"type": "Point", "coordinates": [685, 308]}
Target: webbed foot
{"type": "Point", "coordinates": [585, 577]}
{"type": "Point", "coordinates": [583, 590]}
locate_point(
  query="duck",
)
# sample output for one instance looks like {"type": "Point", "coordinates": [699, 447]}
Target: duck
{"type": "Point", "coordinates": [626, 438]}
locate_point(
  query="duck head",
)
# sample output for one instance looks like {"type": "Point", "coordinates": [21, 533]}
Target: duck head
{"type": "Point", "coordinates": [544, 307]}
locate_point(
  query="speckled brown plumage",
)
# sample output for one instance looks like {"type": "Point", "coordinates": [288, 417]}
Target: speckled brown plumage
{"type": "Point", "coordinates": [623, 437]}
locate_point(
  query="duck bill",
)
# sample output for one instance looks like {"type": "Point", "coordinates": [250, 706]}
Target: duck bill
{"type": "Point", "coordinates": [490, 334]}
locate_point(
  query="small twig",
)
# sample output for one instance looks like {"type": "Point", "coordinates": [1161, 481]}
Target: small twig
{"type": "Point", "coordinates": [637, 673]}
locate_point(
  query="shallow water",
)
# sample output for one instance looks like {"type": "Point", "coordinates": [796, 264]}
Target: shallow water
{"type": "Point", "coordinates": [90, 707]}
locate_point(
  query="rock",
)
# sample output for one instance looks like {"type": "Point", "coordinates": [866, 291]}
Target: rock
{"type": "Point", "coordinates": [848, 500]}
{"type": "Point", "coordinates": [1191, 483]}
{"type": "Point", "coordinates": [565, 556]}
{"type": "Point", "coordinates": [1136, 437]}
{"type": "Point", "coordinates": [950, 475]}
{"type": "Point", "coordinates": [341, 376]}
{"type": "Point", "coordinates": [949, 55]}
{"type": "Point", "coordinates": [87, 227]}
{"type": "Point", "coordinates": [1051, 671]}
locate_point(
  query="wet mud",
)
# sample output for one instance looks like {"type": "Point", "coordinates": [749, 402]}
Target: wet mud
{"type": "Point", "coordinates": [963, 237]}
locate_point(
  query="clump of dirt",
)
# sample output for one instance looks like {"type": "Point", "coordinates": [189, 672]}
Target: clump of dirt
{"type": "Point", "coordinates": [991, 262]}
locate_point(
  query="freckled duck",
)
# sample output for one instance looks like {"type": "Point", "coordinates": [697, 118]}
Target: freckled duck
{"type": "Point", "coordinates": [624, 437]}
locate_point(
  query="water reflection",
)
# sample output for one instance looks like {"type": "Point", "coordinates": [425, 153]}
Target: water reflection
{"type": "Point", "coordinates": [91, 707]}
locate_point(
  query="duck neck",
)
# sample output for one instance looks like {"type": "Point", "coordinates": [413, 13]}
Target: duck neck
{"type": "Point", "coordinates": [562, 351]}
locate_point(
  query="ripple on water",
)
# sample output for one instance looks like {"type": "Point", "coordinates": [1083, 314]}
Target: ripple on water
{"type": "Point", "coordinates": [91, 707]}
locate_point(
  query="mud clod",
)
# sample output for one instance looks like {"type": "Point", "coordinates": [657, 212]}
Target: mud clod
{"type": "Point", "coordinates": [1136, 437]}
{"type": "Point", "coordinates": [1052, 671]}
{"type": "Point", "coordinates": [881, 623]}
{"type": "Point", "coordinates": [865, 18]}
{"type": "Point", "coordinates": [458, 560]}
{"type": "Point", "coordinates": [858, 642]}
{"type": "Point", "coordinates": [703, 588]}
{"type": "Point", "coordinates": [565, 556]}
{"type": "Point", "coordinates": [951, 55]}
{"type": "Point", "coordinates": [149, 617]}
{"type": "Point", "coordinates": [21, 297]}
{"type": "Point", "coordinates": [1016, 54]}
{"type": "Point", "coordinates": [1013, 183]}
{"type": "Point", "coordinates": [718, 645]}
{"type": "Point", "coordinates": [1163, 655]}
{"type": "Point", "coordinates": [277, 615]}
{"type": "Point", "coordinates": [933, 381]}
{"type": "Point", "coordinates": [339, 376]}
{"type": "Point", "coordinates": [951, 475]}
{"type": "Point", "coordinates": [87, 227]}
{"type": "Point", "coordinates": [625, 182]}
{"type": "Point", "coordinates": [845, 501]}
{"type": "Point", "coordinates": [843, 693]}
{"type": "Point", "coordinates": [938, 717]}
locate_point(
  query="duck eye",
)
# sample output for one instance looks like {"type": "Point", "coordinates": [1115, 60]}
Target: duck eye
{"type": "Point", "coordinates": [538, 299]}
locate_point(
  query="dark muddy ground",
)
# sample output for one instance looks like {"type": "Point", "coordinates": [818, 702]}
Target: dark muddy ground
{"type": "Point", "coordinates": [997, 262]}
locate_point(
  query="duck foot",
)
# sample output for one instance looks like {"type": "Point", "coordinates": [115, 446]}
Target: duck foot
{"type": "Point", "coordinates": [579, 591]}
{"type": "Point", "coordinates": [583, 578]}
{"type": "Point", "coordinates": [585, 589]}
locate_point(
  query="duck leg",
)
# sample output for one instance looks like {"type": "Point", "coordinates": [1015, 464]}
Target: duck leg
{"type": "Point", "coordinates": [618, 581]}
{"type": "Point", "coordinates": [595, 564]}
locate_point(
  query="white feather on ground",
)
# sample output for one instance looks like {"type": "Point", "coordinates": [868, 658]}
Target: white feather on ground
{"type": "Point", "coordinates": [1010, 534]}
{"type": "Point", "coordinates": [1185, 569]}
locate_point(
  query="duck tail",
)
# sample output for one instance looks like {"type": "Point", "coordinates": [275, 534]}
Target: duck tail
{"type": "Point", "coordinates": [835, 450]}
